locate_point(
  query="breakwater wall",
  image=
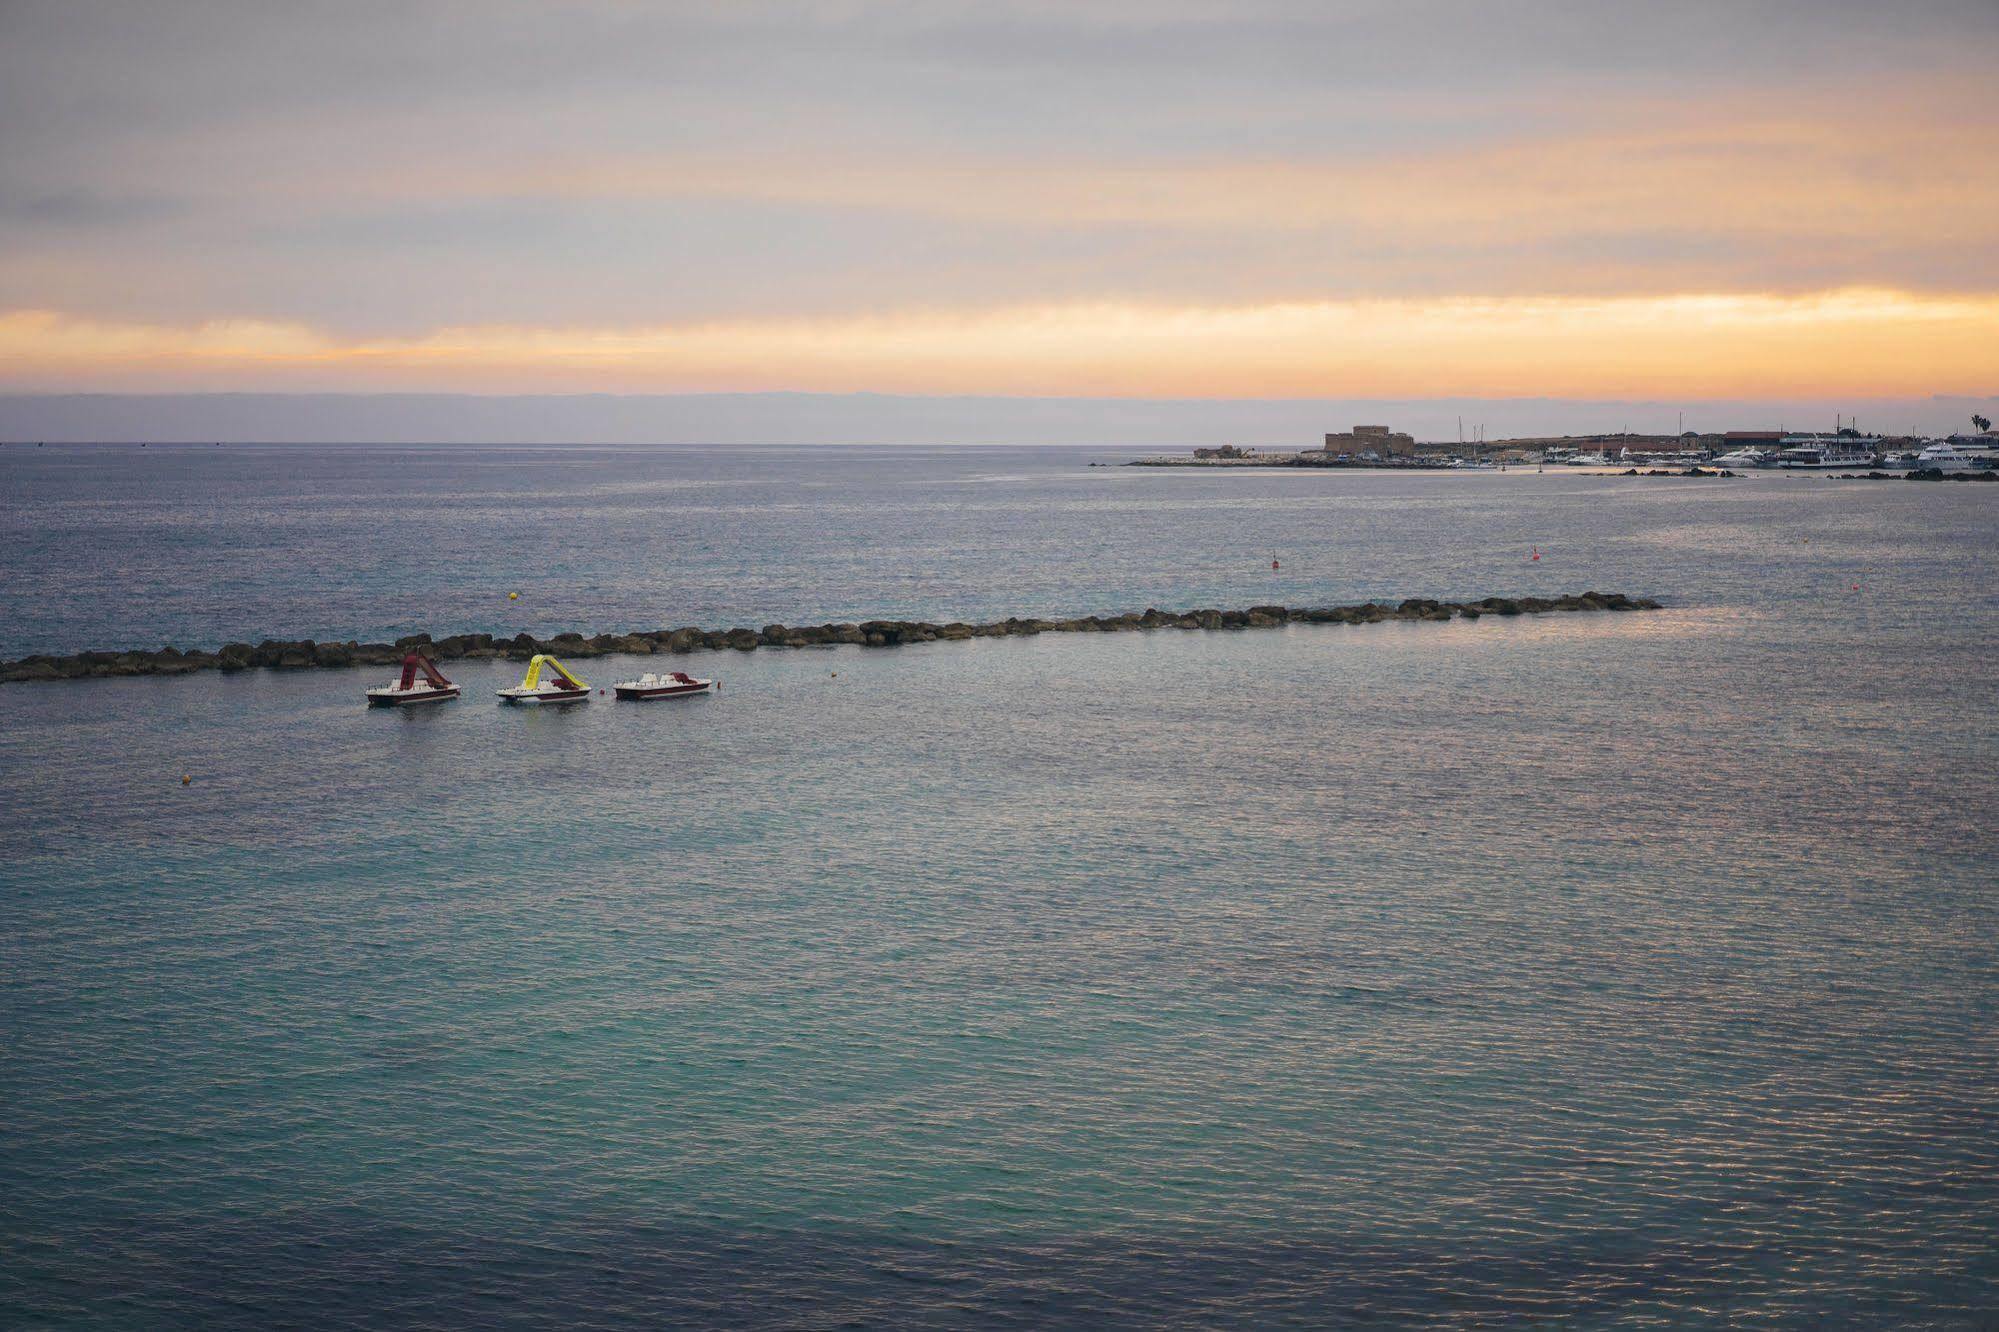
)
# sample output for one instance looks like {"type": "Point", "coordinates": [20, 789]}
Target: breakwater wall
{"type": "Point", "coordinates": [305, 654]}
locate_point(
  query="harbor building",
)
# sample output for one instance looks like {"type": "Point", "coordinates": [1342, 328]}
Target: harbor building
{"type": "Point", "coordinates": [1376, 438]}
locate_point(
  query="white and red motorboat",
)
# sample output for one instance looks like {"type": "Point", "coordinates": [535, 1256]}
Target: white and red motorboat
{"type": "Point", "coordinates": [421, 682]}
{"type": "Point", "coordinates": [559, 685]}
{"type": "Point", "coordinates": [674, 684]}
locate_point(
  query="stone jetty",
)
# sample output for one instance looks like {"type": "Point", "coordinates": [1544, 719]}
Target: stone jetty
{"type": "Point", "coordinates": [304, 654]}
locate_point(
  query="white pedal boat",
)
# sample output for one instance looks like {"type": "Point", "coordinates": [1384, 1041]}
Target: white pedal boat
{"type": "Point", "coordinates": [558, 686]}
{"type": "Point", "coordinates": [674, 684]}
{"type": "Point", "coordinates": [421, 682]}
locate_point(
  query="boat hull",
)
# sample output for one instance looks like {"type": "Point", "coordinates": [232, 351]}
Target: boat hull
{"type": "Point", "coordinates": [398, 698]}
{"type": "Point", "coordinates": [663, 691]}
{"type": "Point", "coordinates": [518, 695]}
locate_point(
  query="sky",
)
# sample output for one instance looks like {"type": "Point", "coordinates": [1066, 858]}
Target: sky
{"type": "Point", "coordinates": [1617, 200]}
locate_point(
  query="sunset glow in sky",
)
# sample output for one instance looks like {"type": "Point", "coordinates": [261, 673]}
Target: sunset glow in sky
{"type": "Point", "coordinates": [1120, 199]}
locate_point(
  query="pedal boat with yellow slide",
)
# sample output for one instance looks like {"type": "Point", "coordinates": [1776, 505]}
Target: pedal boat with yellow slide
{"type": "Point", "coordinates": [547, 681]}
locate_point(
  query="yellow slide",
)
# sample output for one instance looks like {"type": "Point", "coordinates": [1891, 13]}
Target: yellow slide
{"type": "Point", "coordinates": [535, 663]}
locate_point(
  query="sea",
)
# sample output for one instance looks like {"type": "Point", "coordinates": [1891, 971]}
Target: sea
{"type": "Point", "coordinates": [1580, 970]}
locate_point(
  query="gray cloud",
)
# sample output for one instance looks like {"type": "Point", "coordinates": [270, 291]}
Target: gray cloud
{"type": "Point", "coordinates": [371, 165]}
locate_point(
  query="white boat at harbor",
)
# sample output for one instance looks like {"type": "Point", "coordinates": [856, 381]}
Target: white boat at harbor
{"type": "Point", "coordinates": [1814, 452]}
{"type": "Point", "coordinates": [1952, 456]}
{"type": "Point", "coordinates": [1743, 458]}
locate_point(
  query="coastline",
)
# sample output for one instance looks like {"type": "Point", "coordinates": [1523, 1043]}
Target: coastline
{"type": "Point", "coordinates": [309, 654]}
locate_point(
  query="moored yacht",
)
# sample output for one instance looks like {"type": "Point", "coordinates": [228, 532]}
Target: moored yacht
{"type": "Point", "coordinates": [1743, 458]}
{"type": "Point", "coordinates": [559, 685]}
{"type": "Point", "coordinates": [1815, 451]}
{"type": "Point", "coordinates": [421, 682]}
{"type": "Point", "coordinates": [1951, 456]}
{"type": "Point", "coordinates": [673, 684]}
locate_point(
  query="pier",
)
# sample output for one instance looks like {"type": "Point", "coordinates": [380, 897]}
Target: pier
{"type": "Point", "coordinates": [306, 654]}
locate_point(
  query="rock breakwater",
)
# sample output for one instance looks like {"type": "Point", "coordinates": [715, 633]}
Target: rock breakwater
{"type": "Point", "coordinates": [303, 654]}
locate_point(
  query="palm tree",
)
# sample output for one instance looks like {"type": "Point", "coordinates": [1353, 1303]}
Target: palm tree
{"type": "Point", "coordinates": [1982, 424]}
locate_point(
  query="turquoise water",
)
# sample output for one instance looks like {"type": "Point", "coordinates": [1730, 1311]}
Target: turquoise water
{"type": "Point", "coordinates": [1594, 969]}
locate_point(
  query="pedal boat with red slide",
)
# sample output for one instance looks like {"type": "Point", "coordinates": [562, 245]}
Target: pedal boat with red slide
{"type": "Point", "coordinates": [559, 685]}
{"type": "Point", "coordinates": [421, 682]}
{"type": "Point", "coordinates": [674, 684]}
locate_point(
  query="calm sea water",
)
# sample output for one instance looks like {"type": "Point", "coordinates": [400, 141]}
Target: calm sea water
{"type": "Point", "coordinates": [1596, 970]}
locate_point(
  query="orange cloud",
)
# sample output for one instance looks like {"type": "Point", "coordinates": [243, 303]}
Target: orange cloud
{"type": "Point", "coordinates": [1851, 343]}
{"type": "Point", "coordinates": [1851, 172]}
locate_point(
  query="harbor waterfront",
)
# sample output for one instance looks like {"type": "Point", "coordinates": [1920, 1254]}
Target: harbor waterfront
{"type": "Point", "coordinates": [1561, 969]}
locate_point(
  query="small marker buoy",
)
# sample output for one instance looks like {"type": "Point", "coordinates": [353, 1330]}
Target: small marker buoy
{"type": "Point", "coordinates": [186, 778]}
{"type": "Point", "coordinates": [513, 596]}
{"type": "Point", "coordinates": [1856, 587]}
{"type": "Point", "coordinates": [1537, 552]}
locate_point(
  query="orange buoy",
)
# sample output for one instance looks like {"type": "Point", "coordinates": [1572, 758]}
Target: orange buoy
{"type": "Point", "coordinates": [186, 778]}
